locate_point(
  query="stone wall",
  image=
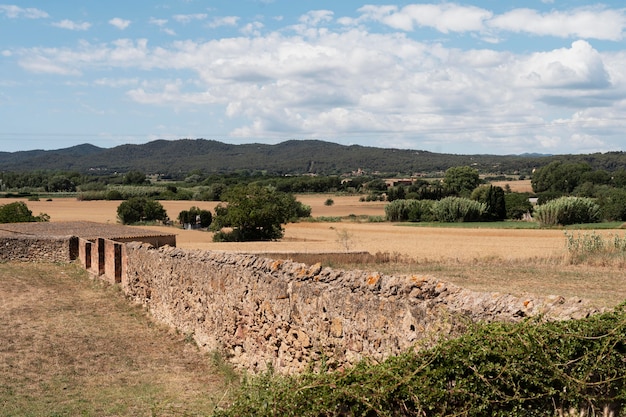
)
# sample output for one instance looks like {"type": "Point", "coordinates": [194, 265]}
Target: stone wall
{"type": "Point", "coordinates": [38, 249]}
{"type": "Point", "coordinates": [261, 311]}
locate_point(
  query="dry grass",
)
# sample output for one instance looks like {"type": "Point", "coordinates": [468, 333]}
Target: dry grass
{"type": "Point", "coordinates": [601, 285]}
{"type": "Point", "coordinates": [504, 260]}
{"type": "Point", "coordinates": [74, 346]}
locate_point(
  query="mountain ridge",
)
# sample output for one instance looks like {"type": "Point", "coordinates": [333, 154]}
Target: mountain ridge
{"type": "Point", "coordinates": [292, 157]}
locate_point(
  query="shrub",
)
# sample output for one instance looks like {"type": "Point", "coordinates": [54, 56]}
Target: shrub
{"type": "Point", "coordinates": [567, 210]}
{"type": "Point", "coordinates": [530, 369]}
{"type": "Point", "coordinates": [18, 212]}
{"type": "Point", "coordinates": [329, 202]}
{"type": "Point", "coordinates": [592, 248]}
{"type": "Point", "coordinates": [409, 210]}
{"type": "Point", "coordinates": [140, 209]}
{"type": "Point", "coordinates": [458, 209]}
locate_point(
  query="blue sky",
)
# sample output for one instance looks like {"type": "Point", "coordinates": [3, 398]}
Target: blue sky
{"type": "Point", "coordinates": [470, 77]}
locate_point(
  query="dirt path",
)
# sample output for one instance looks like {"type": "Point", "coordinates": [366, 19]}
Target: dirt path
{"type": "Point", "coordinates": [74, 346]}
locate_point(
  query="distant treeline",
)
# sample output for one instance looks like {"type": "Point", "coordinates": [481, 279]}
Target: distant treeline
{"type": "Point", "coordinates": [177, 159]}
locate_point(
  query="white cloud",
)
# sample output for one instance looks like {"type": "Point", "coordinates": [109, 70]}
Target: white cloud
{"type": "Point", "coordinates": [577, 67]}
{"type": "Point", "coordinates": [71, 25]}
{"type": "Point", "coordinates": [586, 22]}
{"type": "Point", "coordinates": [224, 21]}
{"type": "Point", "coordinates": [353, 83]}
{"type": "Point", "coordinates": [188, 18]}
{"type": "Point", "coordinates": [445, 17]}
{"type": "Point", "coordinates": [13, 12]}
{"type": "Point", "coordinates": [120, 23]}
{"type": "Point", "coordinates": [315, 17]}
{"type": "Point", "coordinates": [592, 22]}
{"type": "Point", "coordinates": [158, 22]}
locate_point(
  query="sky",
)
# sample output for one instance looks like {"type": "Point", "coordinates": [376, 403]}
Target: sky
{"type": "Point", "coordinates": [474, 77]}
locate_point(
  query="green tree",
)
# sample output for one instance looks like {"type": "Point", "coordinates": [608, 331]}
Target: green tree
{"type": "Point", "coordinates": [254, 212]}
{"type": "Point", "coordinates": [140, 209]}
{"type": "Point", "coordinates": [517, 205]}
{"type": "Point", "coordinates": [460, 181]}
{"type": "Point", "coordinates": [135, 178]}
{"type": "Point", "coordinates": [18, 212]}
{"type": "Point", "coordinates": [559, 177]}
{"type": "Point", "coordinates": [494, 200]}
{"type": "Point", "coordinates": [195, 216]}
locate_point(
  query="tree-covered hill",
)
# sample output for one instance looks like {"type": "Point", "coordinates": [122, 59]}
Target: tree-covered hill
{"type": "Point", "coordinates": [290, 157]}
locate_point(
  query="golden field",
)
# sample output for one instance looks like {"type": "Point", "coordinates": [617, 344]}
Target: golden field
{"type": "Point", "coordinates": [430, 243]}
{"type": "Point", "coordinates": [516, 261]}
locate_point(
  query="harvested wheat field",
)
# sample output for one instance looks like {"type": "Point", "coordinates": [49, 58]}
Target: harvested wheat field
{"type": "Point", "coordinates": [430, 243]}
{"type": "Point", "coordinates": [516, 261]}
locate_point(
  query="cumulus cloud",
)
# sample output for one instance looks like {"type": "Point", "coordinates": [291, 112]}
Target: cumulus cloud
{"type": "Point", "coordinates": [12, 11]}
{"type": "Point", "coordinates": [120, 23]}
{"type": "Point", "coordinates": [352, 82]}
{"type": "Point", "coordinates": [577, 67]}
{"type": "Point", "coordinates": [71, 25]}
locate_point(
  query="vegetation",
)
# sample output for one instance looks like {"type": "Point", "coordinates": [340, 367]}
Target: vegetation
{"type": "Point", "coordinates": [195, 217]}
{"type": "Point", "coordinates": [461, 180]}
{"type": "Point", "coordinates": [594, 249]}
{"type": "Point", "coordinates": [458, 209]}
{"type": "Point", "coordinates": [255, 213]}
{"type": "Point", "coordinates": [18, 212]}
{"type": "Point", "coordinates": [526, 369]}
{"type": "Point", "coordinates": [568, 210]}
{"type": "Point", "coordinates": [140, 209]}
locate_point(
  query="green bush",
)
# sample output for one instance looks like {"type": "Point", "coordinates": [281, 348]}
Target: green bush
{"type": "Point", "coordinates": [409, 210]}
{"type": "Point", "coordinates": [18, 212]}
{"type": "Point", "coordinates": [458, 209]}
{"type": "Point", "coordinates": [568, 210]}
{"type": "Point", "coordinates": [529, 369]}
{"type": "Point", "coordinates": [140, 209]}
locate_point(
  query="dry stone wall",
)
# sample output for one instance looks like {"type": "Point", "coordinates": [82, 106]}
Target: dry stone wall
{"type": "Point", "coordinates": [38, 249]}
{"type": "Point", "coordinates": [261, 311]}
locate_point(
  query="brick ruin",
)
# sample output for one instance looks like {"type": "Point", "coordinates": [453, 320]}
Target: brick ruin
{"type": "Point", "coordinates": [260, 311]}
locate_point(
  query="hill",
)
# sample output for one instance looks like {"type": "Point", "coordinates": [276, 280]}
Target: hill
{"type": "Point", "coordinates": [287, 158]}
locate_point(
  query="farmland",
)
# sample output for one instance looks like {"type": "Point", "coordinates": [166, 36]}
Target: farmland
{"type": "Point", "coordinates": [486, 259]}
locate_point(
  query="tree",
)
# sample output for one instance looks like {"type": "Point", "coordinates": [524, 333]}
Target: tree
{"type": "Point", "coordinates": [254, 212]}
{"type": "Point", "coordinates": [461, 181]}
{"type": "Point", "coordinates": [494, 200]}
{"type": "Point", "coordinates": [140, 209]}
{"type": "Point", "coordinates": [517, 205]}
{"type": "Point", "coordinates": [135, 178]}
{"type": "Point", "coordinates": [559, 177]}
{"type": "Point", "coordinates": [18, 212]}
{"type": "Point", "coordinates": [195, 216]}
